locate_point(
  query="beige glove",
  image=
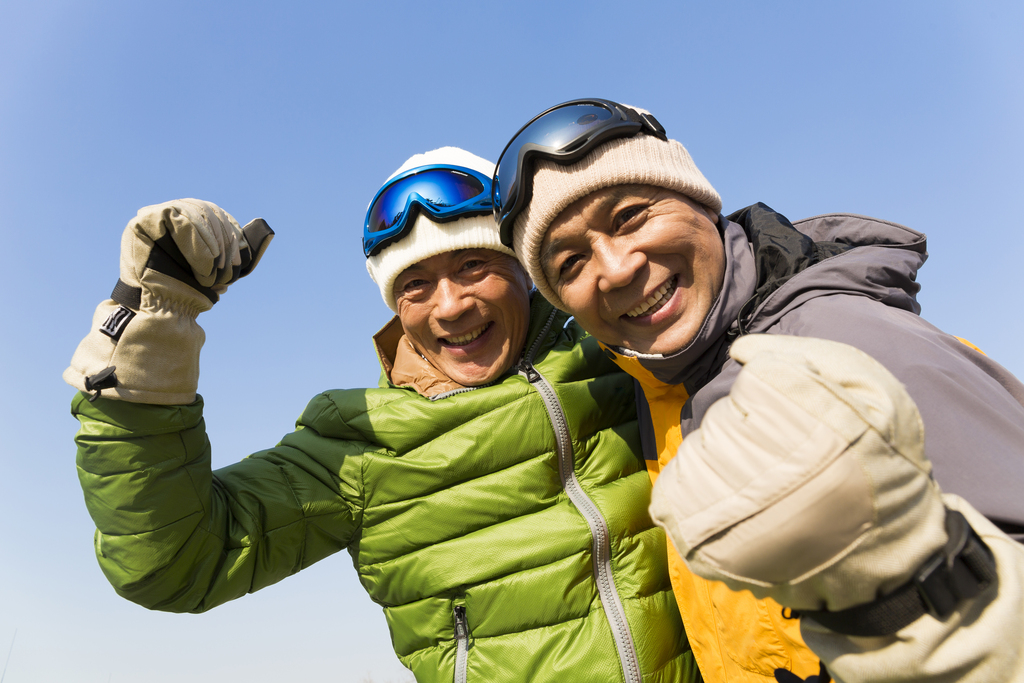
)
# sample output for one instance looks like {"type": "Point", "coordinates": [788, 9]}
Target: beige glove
{"type": "Point", "coordinates": [176, 259]}
{"type": "Point", "coordinates": [808, 483]}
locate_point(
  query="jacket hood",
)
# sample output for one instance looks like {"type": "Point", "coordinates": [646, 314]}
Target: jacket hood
{"type": "Point", "coordinates": [880, 261]}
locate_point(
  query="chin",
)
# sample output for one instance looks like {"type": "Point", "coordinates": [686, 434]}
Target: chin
{"type": "Point", "coordinates": [485, 375]}
{"type": "Point", "coordinates": [467, 376]}
{"type": "Point", "coordinates": [474, 380]}
{"type": "Point", "coordinates": [668, 343]}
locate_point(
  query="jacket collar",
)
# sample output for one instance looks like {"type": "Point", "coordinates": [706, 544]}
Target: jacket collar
{"type": "Point", "coordinates": [404, 367]}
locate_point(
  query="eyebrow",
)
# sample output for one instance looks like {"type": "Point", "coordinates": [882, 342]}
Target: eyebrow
{"type": "Point", "coordinates": [611, 199]}
{"type": "Point", "coordinates": [549, 251]}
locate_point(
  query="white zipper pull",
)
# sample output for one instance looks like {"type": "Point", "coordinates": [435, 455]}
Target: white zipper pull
{"type": "Point", "coordinates": [461, 643]}
{"type": "Point", "coordinates": [461, 628]}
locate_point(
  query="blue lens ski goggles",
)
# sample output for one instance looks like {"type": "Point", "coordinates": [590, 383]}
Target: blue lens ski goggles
{"type": "Point", "coordinates": [442, 191]}
{"type": "Point", "coordinates": [564, 134]}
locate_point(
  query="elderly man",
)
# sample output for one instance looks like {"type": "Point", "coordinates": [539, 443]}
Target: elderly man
{"type": "Point", "coordinates": [489, 491]}
{"type": "Point", "coordinates": [810, 484]}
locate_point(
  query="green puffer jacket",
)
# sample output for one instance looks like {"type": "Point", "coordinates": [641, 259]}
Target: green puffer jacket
{"type": "Point", "coordinates": [500, 547]}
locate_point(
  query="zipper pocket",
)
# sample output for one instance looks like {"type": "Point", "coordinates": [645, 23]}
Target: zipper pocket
{"type": "Point", "coordinates": [461, 642]}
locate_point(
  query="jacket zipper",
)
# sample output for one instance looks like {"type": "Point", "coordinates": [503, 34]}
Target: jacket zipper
{"type": "Point", "coordinates": [460, 390]}
{"type": "Point", "coordinates": [598, 527]}
{"type": "Point", "coordinates": [461, 643]}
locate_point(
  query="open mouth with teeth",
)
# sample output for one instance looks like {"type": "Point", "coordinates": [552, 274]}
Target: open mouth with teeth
{"type": "Point", "coordinates": [655, 301]}
{"type": "Point", "coordinates": [464, 339]}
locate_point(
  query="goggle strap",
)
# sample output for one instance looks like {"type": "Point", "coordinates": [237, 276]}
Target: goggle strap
{"type": "Point", "coordinates": [654, 126]}
{"type": "Point", "coordinates": [650, 124]}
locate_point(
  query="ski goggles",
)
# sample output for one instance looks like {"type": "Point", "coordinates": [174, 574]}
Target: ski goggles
{"type": "Point", "coordinates": [564, 134]}
{"type": "Point", "coordinates": [442, 191]}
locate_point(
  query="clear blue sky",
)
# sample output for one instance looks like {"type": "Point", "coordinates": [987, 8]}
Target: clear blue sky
{"type": "Point", "coordinates": [908, 111]}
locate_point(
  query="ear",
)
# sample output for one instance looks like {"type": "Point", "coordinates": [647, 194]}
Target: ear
{"type": "Point", "coordinates": [712, 215]}
{"type": "Point", "coordinates": [697, 206]}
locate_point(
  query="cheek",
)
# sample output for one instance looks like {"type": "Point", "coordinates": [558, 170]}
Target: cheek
{"type": "Point", "coordinates": [511, 306]}
{"type": "Point", "coordinates": [515, 305]}
{"type": "Point", "coordinates": [572, 297]}
{"type": "Point", "coordinates": [582, 293]}
{"type": "Point", "coordinates": [584, 305]}
{"type": "Point", "coordinates": [415, 323]}
{"type": "Point", "coordinates": [713, 254]}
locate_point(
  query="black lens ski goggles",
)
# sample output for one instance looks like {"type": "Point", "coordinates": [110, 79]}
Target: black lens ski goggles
{"type": "Point", "coordinates": [564, 133]}
{"type": "Point", "coordinates": [442, 191]}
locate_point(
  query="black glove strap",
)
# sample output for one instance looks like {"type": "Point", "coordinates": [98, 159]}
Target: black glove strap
{"type": "Point", "coordinates": [166, 258]}
{"type": "Point", "coordinates": [961, 570]}
{"type": "Point", "coordinates": [126, 295]}
{"type": "Point", "coordinates": [130, 300]}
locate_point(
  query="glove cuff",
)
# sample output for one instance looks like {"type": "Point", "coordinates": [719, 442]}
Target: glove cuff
{"type": "Point", "coordinates": [960, 570]}
{"type": "Point", "coordinates": [154, 353]}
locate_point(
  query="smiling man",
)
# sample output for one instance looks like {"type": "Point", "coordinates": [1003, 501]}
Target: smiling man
{"type": "Point", "coordinates": [617, 226]}
{"type": "Point", "coordinates": [489, 491]}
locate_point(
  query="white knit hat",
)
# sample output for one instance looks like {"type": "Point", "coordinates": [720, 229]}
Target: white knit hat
{"type": "Point", "coordinates": [639, 160]}
{"type": "Point", "coordinates": [428, 238]}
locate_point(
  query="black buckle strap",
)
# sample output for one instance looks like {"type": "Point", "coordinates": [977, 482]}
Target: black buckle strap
{"type": "Point", "coordinates": [650, 125]}
{"type": "Point", "coordinates": [104, 379]}
{"type": "Point", "coordinates": [961, 570]}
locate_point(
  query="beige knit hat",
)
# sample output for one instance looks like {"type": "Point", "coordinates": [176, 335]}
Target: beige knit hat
{"type": "Point", "coordinates": [428, 238]}
{"type": "Point", "coordinates": [639, 160]}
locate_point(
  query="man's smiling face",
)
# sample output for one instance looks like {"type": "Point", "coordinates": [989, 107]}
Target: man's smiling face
{"type": "Point", "coordinates": [639, 266]}
{"type": "Point", "coordinates": [466, 311]}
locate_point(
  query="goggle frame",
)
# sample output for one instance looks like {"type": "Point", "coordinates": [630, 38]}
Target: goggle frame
{"type": "Point", "coordinates": [625, 122]}
{"type": "Point", "coordinates": [477, 205]}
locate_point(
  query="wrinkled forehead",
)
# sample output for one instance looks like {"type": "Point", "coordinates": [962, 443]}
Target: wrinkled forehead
{"type": "Point", "coordinates": [592, 211]}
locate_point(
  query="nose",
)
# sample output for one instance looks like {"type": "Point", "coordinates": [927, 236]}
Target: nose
{"type": "Point", "coordinates": [451, 300]}
{"type": "Point", "coordinates": [618, 265]}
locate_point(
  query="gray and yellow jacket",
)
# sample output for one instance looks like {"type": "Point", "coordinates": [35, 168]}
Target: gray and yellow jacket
{"type": "Point", "coordinates": [845, 278]}
{"type": "Point", "coordinates": [504, 529]}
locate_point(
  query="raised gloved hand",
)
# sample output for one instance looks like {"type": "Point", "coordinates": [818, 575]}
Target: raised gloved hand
{"type": "Point", "coordinates": [808, 483]}
{"type": "Point", "coordinates": [177, 258]}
